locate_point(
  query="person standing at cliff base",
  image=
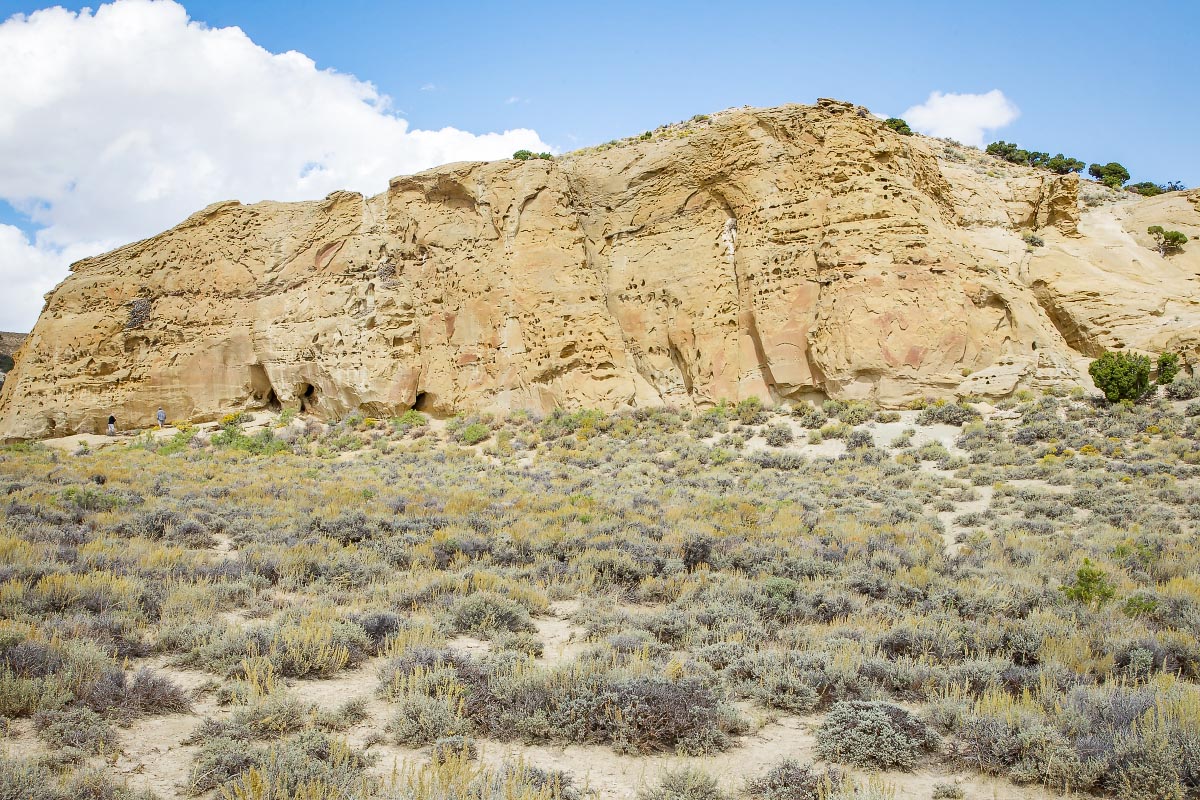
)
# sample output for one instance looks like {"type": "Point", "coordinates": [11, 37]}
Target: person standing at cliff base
{"type": "Point", "coordinates": [161, 416]}
{"type": "Point", "coordinates": [112, 425]}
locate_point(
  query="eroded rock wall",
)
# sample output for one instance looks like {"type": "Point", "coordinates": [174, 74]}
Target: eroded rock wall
{"type": "Point", "coordinates": [783, 253]}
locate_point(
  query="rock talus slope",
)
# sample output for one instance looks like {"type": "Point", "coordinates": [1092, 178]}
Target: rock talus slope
{"type": "Point", "coordinates": [785, 253]}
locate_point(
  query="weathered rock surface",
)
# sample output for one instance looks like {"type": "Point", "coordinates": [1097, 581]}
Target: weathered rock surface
{"type": "Point", "coordinates": [801, 251]}
{"type": "Point", "coordinates": [1110, 288]}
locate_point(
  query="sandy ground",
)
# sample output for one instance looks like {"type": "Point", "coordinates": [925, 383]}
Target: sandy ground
{"type": "Point", "coordinates": [224, 549]}
{"type": "Point", "coordinates": [883, 433]}
{"type": "Point", "coordinates": [616, 777]}
{"type": "Point", "coordinates": [563, 639]}
{"type": "Point", "coordinates": [94, 441]}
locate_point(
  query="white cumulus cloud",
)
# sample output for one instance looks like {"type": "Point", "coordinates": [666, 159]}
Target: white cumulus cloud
{"type": "Point", "coordinates": [963, 117]}
{"type": "Point", "coordinates": [27, 272]}
{"type": "Point", "coordinates": [118, 123]}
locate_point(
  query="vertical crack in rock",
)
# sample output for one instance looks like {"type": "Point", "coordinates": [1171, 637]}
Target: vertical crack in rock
{"type": "Point", "coordinates": [1072, 331]}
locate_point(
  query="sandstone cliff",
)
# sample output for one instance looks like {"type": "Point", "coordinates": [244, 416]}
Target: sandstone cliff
{"type": "Point", "coordinates": [801, 251]}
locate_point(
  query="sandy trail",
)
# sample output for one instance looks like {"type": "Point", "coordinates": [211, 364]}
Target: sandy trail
{"type": "Point", "coordinates": [952, 529]}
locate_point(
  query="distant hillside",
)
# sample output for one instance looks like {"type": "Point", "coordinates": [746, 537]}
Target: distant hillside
{"type": "Point", "coordinates": [9, 342]}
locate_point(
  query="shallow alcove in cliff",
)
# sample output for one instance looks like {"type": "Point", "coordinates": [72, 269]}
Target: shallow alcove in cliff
{"type": "Point", "coordinates": [261, 388]}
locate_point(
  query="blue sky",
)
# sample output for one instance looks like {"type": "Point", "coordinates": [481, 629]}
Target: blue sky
{"type": "Point", "coordinates": [1100, 80]}
{"type": "Point", "coordinates": [1104, 80]}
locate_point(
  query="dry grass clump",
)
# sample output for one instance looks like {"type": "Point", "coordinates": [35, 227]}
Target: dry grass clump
{"type": "Point", "coordinates": [460, 778]}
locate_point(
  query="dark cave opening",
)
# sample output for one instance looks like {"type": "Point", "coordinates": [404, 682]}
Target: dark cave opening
{"type": "Point", "coordinates": [308, 396]}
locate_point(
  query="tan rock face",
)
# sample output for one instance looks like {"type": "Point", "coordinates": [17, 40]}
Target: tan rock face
{"type": "Point", "coordinates": [1110, 289]}
{"type": "Point", "coordinates": [801, 251]}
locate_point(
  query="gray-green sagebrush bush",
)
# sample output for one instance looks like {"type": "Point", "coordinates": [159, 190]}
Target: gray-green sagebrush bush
{"type": "Point", "coordinates": [790, 779]}
{"type": "Point", "coordinates": [684, 784]}
{"type": "Point", "coordinates": [289, 767]}
{"type": "Point", "coordinates": [41, 779]}
{"type": "Point", "coordinates": [874, 735]}
{"type": "Point", "coordinates": [442, 693]}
